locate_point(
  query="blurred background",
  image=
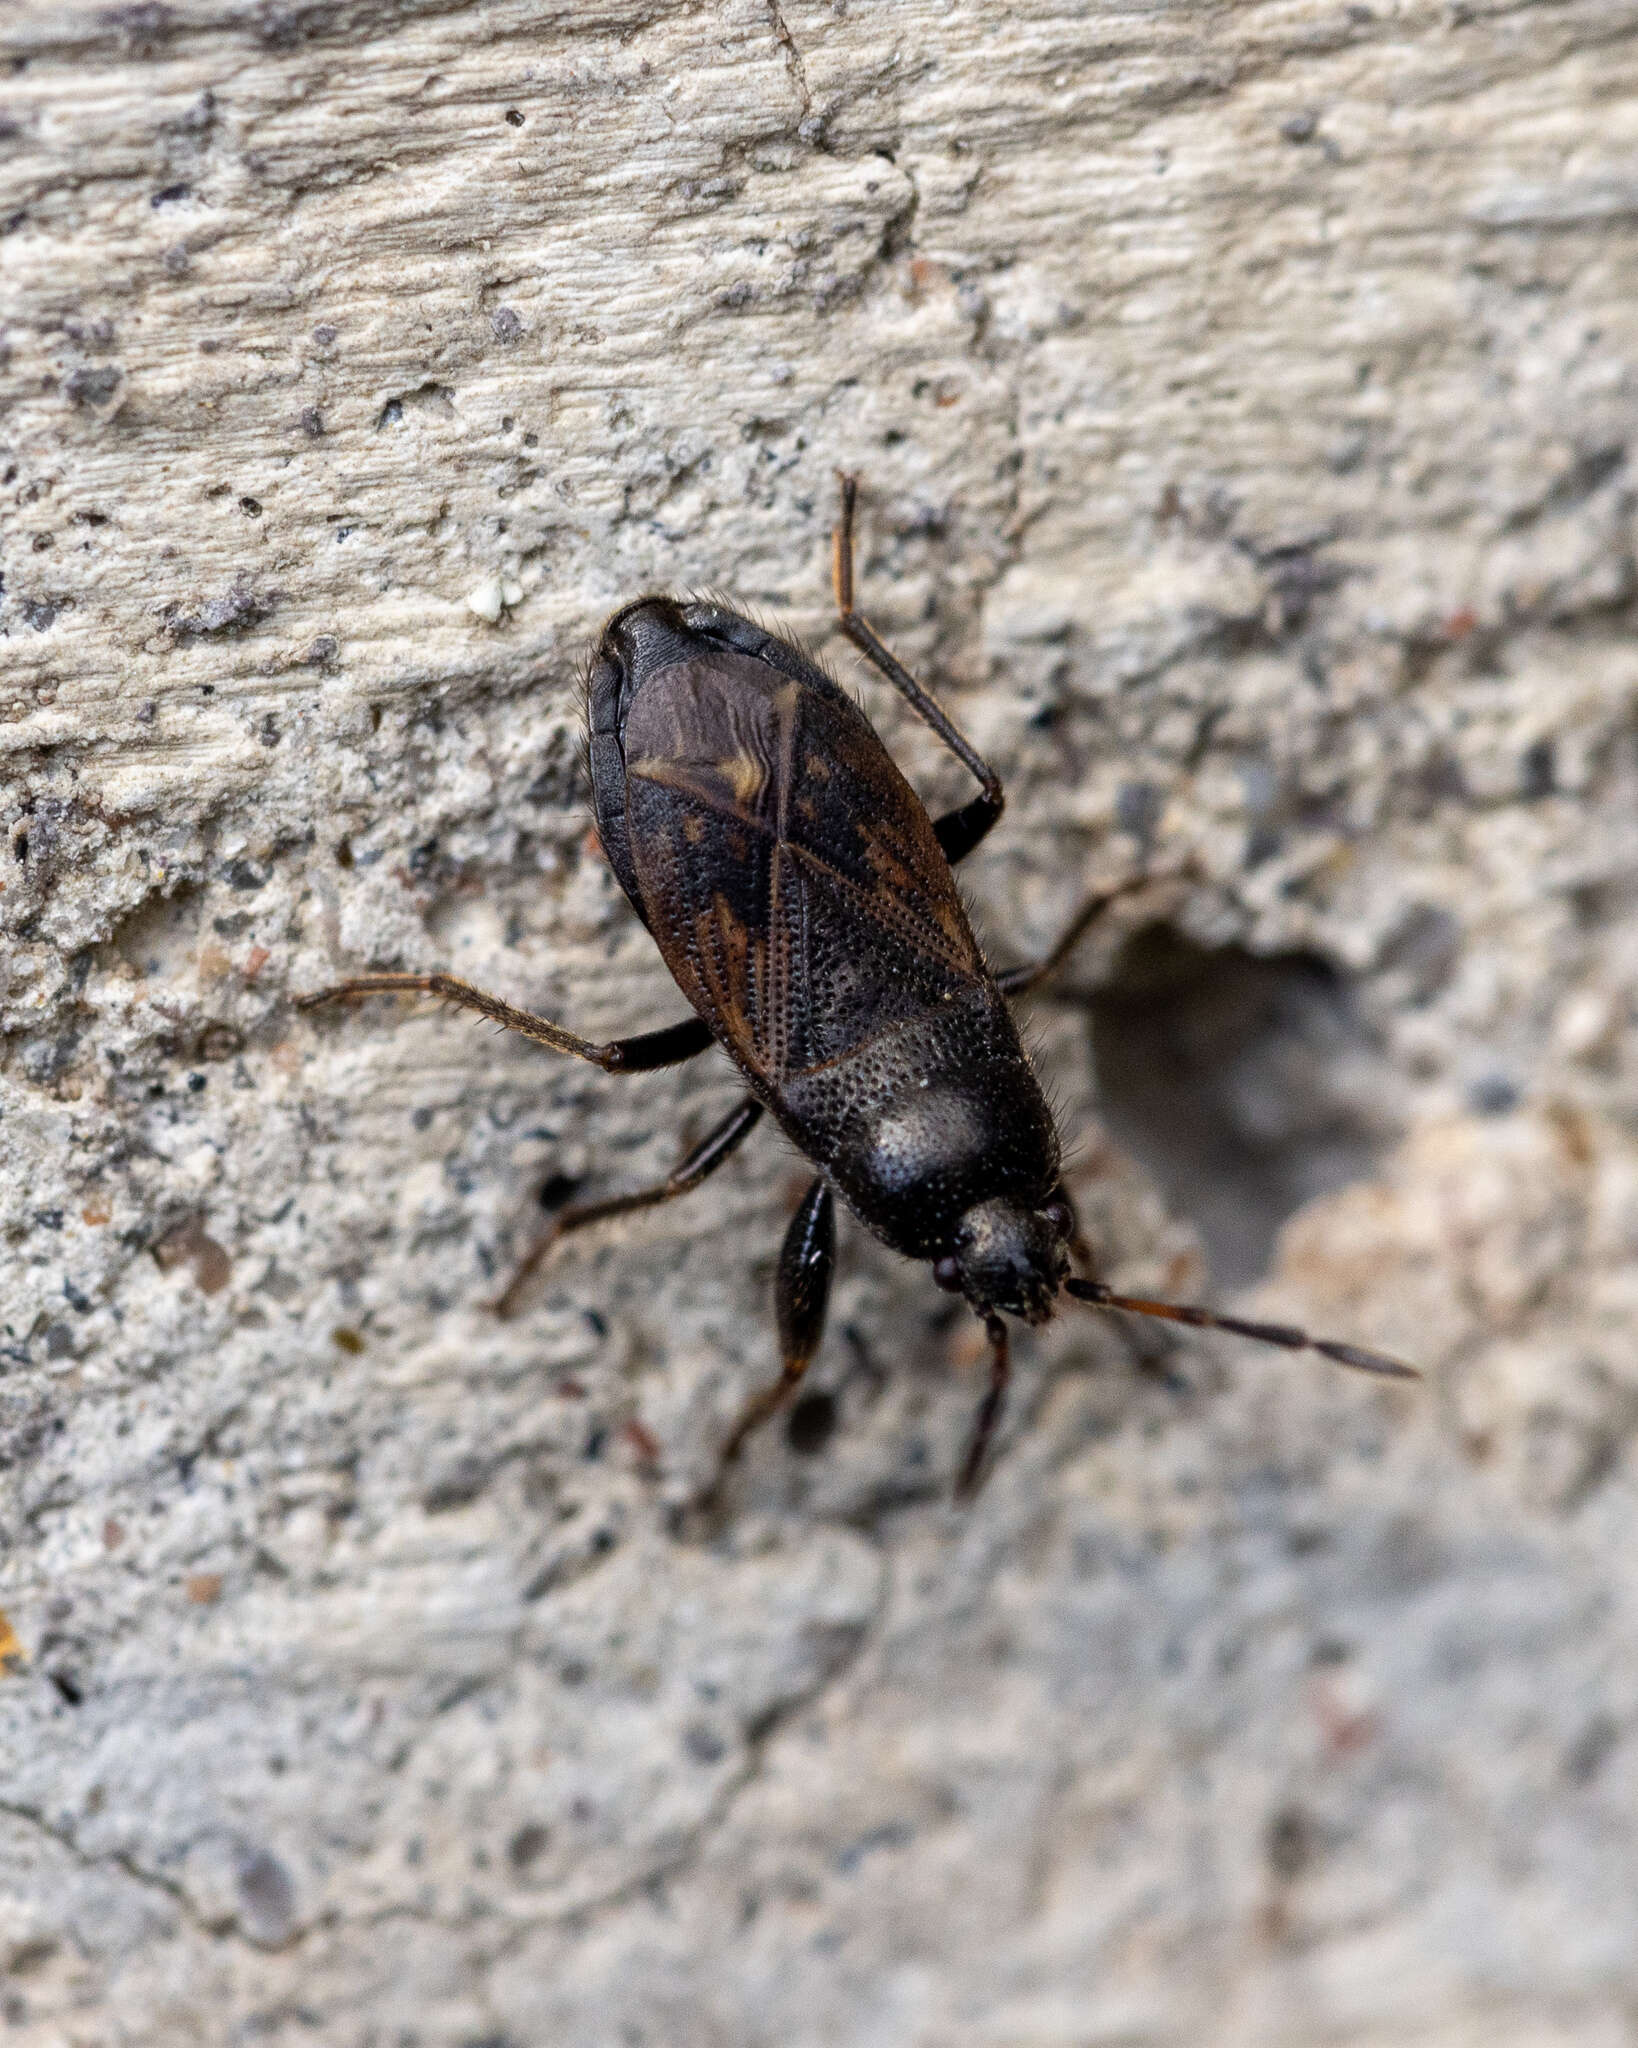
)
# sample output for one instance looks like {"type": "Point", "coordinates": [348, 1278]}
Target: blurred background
{"type": "Point", "coordinates": [1243, 397]}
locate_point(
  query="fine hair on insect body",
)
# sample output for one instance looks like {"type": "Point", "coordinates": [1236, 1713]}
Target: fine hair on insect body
{"type": "Point", "coordinates": [805, 904]}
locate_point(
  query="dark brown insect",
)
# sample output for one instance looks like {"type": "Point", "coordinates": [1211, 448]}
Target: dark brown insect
{"type": "Point", "coordinates": [804, 902]}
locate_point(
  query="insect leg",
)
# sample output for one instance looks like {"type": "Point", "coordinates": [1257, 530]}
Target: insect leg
{"type": "Point", "coordinates": [667, 1047]}
{"type": "Point", "coordinates": [960, 830]}
{"type": "Point", "coordinates": [1014, 981]}
{"type": "Point", "coordinates": [806, 1261]}
{"type": "Point", "coordinates": [989, 1409]}
{"type": "Point", "coordinates": [725, 1139]}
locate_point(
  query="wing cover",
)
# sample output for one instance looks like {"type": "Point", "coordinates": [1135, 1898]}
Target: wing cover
{"type": "Point", "coordinates": [789, 872]}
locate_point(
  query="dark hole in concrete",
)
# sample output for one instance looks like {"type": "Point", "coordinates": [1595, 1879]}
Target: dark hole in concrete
{"type": "Point", "coordinates": [704, 1744]}
{"type": "Point", "coordinates": [811, 1422]}
{"type": "Point", "coordinates": [267, 1898]}
{"type": "Point", "coordinates": [1247, 1085]}
{"type": "Point", "coordinates": [464, 1481]}
{"type": "Point", "coordinates": [1538, 770]}
{"type": "Point", "coordinates": [1493, 1095]}
{"type": "Point", "coordinates": [1290, 1842]}
{"type": "Point", "coordinates": [527, 1845]}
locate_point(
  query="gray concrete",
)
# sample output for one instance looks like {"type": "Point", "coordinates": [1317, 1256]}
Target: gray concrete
{"type": "Point", "coordinates": [1244, 397]}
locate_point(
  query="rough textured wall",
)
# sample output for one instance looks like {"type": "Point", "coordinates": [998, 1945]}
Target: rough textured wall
{"type": "Point", "coordinates": [1244, 395]}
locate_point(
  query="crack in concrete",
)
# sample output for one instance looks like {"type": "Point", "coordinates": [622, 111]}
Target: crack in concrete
{"type": "Point", "coordinates": [577, 1916]}
{"type": "Point", "coordinates": [758, 1743]}
{"type": "Point", "coordinates": [793, 60]}
{"type": "Point", "coordinates": [895, 236]}
{"type": "Point", "coordinates": [120, 1860]}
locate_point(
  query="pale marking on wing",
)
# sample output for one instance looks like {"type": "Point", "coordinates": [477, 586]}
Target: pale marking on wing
{"type": "Point", "coordinates": [744, 776]}
{"type": "Point", "coordinates": [895, 866]}
{"type": "Point", "coordinates": [724, 971]}
{"type": "Point", "coordinates": [684, 777]}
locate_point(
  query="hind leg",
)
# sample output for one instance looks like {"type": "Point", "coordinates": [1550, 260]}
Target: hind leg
{"type": "Point", "coordinates": [717, 1145]}
{"type": "Point", "coordinates": [959, 831]}
{"type": "Point", "coordinates": [1017, 981]}
{"type": "Point", "coordinates": [807, 1261]}
{"type": "Point", "coordinates": [667, 1047]}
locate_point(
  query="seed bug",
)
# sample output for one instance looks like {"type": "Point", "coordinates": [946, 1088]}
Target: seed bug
{"type": "Point", "coordinates": [805, 904]}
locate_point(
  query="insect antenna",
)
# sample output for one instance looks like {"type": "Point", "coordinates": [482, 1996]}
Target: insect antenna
{"type": "Point", "coordinates": [989, 1411]}
{"type": "Point", "coordinates": [1286, 1335]}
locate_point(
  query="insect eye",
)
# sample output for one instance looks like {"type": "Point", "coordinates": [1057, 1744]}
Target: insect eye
{"type": "Point", "coordinates": [1060, 1217]}
{"type": "Point", "coordinates": [947, 1272]}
